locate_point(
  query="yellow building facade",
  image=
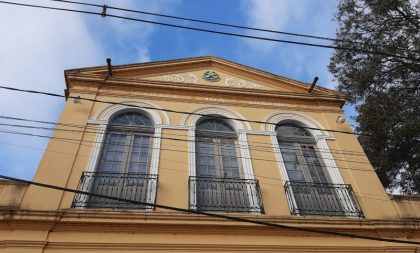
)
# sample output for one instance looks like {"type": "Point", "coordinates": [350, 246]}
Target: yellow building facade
{"type": "Point", "coordinates": [209, 135]}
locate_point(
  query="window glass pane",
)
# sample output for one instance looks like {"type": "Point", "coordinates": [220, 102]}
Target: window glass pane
{"type": "Point", "coordinates": [206, 165]}
{"type": "Point", "coordinates": [112, 154]}
{"type": "Point", "coordinates": [117, 146]}
{"type": "Point", "coordinates": [107, 166]}
{"type": "Point", "coordinates": [313, 164]}
{"type": "Point", "coordinates": [214, 125]}
{"type": "Point", "coordinates": [139, 154]}
{"type": "Point", "coordinates": [230, 166]}
{"type": "Point", "coordinates": [118, 157]}
{"type": "Point", "coordinates": [290, 154]}
{"type": "Point", "coordinates": [290, 130]}
{"type": "Point", "coordinates": [131, 118]}
{"type": "Point", "coordinates": [296, 175]}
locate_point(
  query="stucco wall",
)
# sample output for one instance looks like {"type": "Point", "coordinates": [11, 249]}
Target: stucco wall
{"type": "Point", "coordinates": [11, 194]}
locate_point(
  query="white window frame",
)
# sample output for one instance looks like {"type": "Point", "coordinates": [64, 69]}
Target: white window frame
{"type": "Point", "coordinates": [103, 118]}
{"type": "Point", "coordinates": [321, 138]}
{"type": "Point", "coordinates": [191, 120]}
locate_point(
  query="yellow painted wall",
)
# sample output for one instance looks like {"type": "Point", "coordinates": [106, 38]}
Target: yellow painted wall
{"type": "Point", "coordinates": [66, 169]}
{"type": "Point", "coordinates": [45, 221]}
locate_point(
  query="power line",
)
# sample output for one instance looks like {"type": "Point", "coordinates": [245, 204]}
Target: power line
{"type": "Point", "coordinates": [84, 127]}
{"type": "Point", "coordinates": [171, 110]}
{"type": "Point", "coordinates": [213, 215]}
{"type": "Point", "coordinates": [213, 22]}
{"type": "Point", "coordinates": [201, 21]}
{"type": "Point", "coordinates": [80, 142]}
{"type": "Point", "coordinates": [267, 149]}
{"type": "Point", "coordinates": [259, 177]}
{"type": "Point", "coordinates": [103, 14]}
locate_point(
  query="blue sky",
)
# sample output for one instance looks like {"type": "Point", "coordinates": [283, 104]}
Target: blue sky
{"type": "Point", "coordinates": [36, 46]}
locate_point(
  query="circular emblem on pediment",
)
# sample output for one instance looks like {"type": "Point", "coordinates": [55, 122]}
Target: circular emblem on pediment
{"type": "Point", "coordinates": [211, 76]}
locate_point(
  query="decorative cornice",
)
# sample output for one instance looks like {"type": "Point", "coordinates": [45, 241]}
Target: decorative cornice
{"type": "Point", "coordinates": [195, 63]}
{"type": "Point", "coordinates": [215, 247]}
{"type": "Point", "coordinates": [126, 87]}
{"type": "Point", "coordinates": [84, 78]}
{"type": "Point", "coordinates": [93, 219]}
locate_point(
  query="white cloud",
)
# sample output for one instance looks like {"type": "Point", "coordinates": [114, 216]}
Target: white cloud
{"type": "Point", "coordinates": [299, 16]}
{"type": "Point", "coordinates": [130, 41]}
{"type": "Point", "coordinates": [36, 46]}
{"type": "Point", "coordinates": [270, 14]}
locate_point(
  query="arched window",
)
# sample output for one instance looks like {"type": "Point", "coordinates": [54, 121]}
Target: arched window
{"type": "Point", "coordinates": [219, 184]}
{"type": "Point", "coordinates": [302, 160]}
{"type": "Point", "coordinates": [216, 153]}
{"type": "Point", "coordinates": [309, 189]}
{"type": "Point", "coordinates": [123, 170]}
{"type": "Point", "coordinates": [127, 144]}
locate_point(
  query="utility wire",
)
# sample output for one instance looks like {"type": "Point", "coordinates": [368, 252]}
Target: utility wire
{"type": "Point", "coordinates": [170, 110]}
{"type": "Point", "coordinates": [267, 150]}
{"type": "Point", "coordinates": [255, 158]}
{"type": "Point", "coordinates": [259, 177]}
{"type": "Point", "coordinates": [211, 22]}
{"type": "Point", "coordinates": [95, 128]}
{"type": "Point", "coordinates": [213, 215]}
{"type": "Point", "coordinates": [80, 142]}
{"type": "Point", "coordinates": [201, 21]}
{"type": "Point", "coordinates": [103, 14]}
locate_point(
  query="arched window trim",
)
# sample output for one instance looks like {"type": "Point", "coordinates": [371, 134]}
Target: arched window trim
{"type": "Point", "coordinates": [131, 132]}
{"type": "Point", "coordinates": [107, 115]}
{"type": "Point", "coordinates": [191, 121]}
{"type": "Point", "coordinates": [218, 138]}
{"type": "Point", "coordinates": [211, 132]}
{"type": "Point", "coordinates": [236, 125]}
{"type": "Point", "coordinates": [321, 138]}
{"type": "Point", "coordinates": [299, 145]}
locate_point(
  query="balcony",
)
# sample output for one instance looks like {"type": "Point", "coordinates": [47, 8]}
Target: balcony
{"type": "Point", "coordinates": [137, 187]}
{"type": "Point", "coordinates": [322, 199]}
{"type": "Point", "coordinates": [225, 195]}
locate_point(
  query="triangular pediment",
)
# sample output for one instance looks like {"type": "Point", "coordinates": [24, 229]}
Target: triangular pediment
{"type": "Point", "coordinates": [204, 71]}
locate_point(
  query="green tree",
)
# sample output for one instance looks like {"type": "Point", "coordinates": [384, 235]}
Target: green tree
{"type": "Point", "coordinates": [384, 88]}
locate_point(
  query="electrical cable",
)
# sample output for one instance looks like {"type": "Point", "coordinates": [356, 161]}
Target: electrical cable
{"type": "Point", "coordinates": [214, 22]}
{"type": "Point", "coordinates": [259, 177]}
{"type": "Point", "coordinates": [80, 142]}
{"type": "Point", "coordinates": [268, 150]}
{"type": "Point", "coordinates": [213, 215]}
{"type": "Point", "coordinates": [97, 130]}
{"type": "Point", "coordinates": [214, 31]}
{"type": "Point", "coordinates": [201, 21]}
{"type": "Point", "coordinates": [265, 149]}
{"type": "Point", "coordinates": [217, 23]}
{"type": "Point", "coordinates": [170, 110]}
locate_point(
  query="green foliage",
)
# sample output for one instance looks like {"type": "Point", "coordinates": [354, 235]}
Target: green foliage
{"type": "Point", "coordinates": [384, 89]}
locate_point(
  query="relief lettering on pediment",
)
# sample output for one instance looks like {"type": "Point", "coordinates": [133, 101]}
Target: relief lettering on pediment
{"type": "Point", "coordinates": [211, 77]}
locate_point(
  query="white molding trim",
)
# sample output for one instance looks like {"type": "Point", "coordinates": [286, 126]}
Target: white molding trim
{"type": "Point", "coordinates": [320, 137]}
{"type": "Point", "coordinates": [276, 117]}
{"type": "Point", "coordinates": [95, 154]}
{"type": "Point", "coordinates": [105, 116]}
{"type": "Point", "coordinates": [242, 139]}
{"type": "Point", "coordinates": [190, 121]}
{"type": "Point", "coordinates": [104, 112]}
{"type": "Point", "coordinates": [181, 127]}
{"type": "Point", "coordinates": [221, 110]}
{"type": "Point", "coordinates": [321, 143]}
{"type": "Point", "coordinates": [256, 132]}
{"type": "Point", "coordinates": [329, 160]}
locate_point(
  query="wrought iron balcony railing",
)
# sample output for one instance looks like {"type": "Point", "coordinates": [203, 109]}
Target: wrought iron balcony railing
{"type": "Point", "coordinates": [132, 186]}
{"type": "Point", "coordinates": [225, 194]}
{"type": "Point", "coordinates": [322, 199]}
